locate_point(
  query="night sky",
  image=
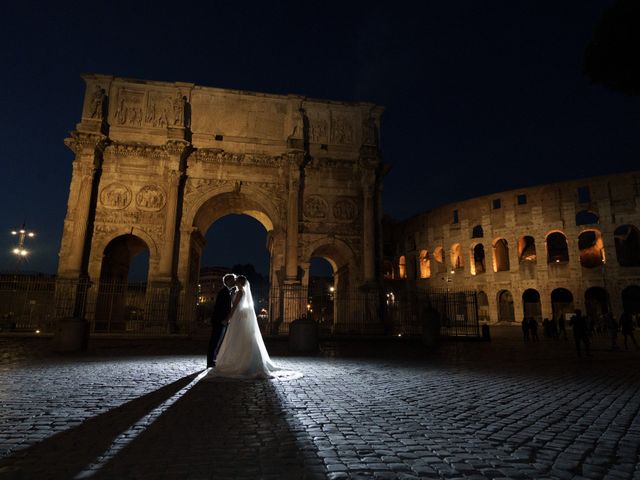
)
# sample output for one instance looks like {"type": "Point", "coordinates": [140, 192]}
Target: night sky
{"type": "Point", "coordinates": [480, 96]}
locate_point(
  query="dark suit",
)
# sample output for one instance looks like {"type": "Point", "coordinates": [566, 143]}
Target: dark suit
{"type": "Point", "coordinates": [221, 310]}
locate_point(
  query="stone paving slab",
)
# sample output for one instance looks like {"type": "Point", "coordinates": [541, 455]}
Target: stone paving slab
{"type": "Point", "coordinates": [502, 410]}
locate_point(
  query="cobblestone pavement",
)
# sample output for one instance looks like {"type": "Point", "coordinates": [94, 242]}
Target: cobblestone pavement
{"type": "Point", "coordinates": [473, 410]}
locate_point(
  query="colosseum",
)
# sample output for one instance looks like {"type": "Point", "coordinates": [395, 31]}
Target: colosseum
{"type": "Point", "coordinates": [540, 251]}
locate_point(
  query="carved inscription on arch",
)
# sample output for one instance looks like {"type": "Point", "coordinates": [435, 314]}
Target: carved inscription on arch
{"type": "Point", "coordinates": [315, 207]}
{"type": "Point", "coordinates": [151, 198]}
{"type": "Point", "coordinates": [345, 209]}
{"type": "Point", "coordinates": [115, 196]}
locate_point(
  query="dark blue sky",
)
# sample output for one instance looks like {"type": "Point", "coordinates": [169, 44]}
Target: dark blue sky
{"type": "Point", "coordinates": [480, 96]}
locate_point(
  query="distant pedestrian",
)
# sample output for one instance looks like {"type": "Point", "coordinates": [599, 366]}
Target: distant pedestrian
{"type": "Point", "coordinates": [533, 327]}
{"type": "Point", "coordinates": [562, 331]}
{"type": "Point", "coordinates": [525, 329]}
{"type": "Point", "coordinates": [612, 329]}
{"type": "Point", "coordinates": [626, 328]}
{"type": "Point", "coordinates": [580, 332]}
{"type": "Point", "coordinates": [553, 325]}
{"type": "Point", "coordinates": [546, 328]}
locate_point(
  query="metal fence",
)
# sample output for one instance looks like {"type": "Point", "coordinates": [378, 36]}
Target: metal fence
{"type": "Point", "coordinates": [456, 312]}
{"type": "Point", "coordinates": [35, 303]}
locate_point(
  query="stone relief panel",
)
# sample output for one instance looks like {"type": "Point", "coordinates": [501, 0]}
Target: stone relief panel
{"type": "Point", "coordinates": [315, 207]}
{"type": "Point", "coordinates": [222, 157]}
{"type": "Point", "coordinates": [151, 198]}
{"type": "Point", "coordinates": [128, 217]}
{"type": "Point", "coordinates": [341, 130]}
{"type": "Point", "coordinates": [345, 209]}
{"type": "Point", "coordinates": [154, 108]}
{"type": "Point", "coordinates": [115, 196]}
{"type": "Point", "coordinates": [319, 130]}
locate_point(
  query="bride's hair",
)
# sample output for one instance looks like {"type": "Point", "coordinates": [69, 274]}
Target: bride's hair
{"type": "Point", "coordinates": [241, 280]}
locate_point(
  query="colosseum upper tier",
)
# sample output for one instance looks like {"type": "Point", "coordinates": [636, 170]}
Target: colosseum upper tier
{"type": "Point", "coordinates": [540, 251]}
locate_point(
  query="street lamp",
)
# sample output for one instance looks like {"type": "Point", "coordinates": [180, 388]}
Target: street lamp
{"type": "Point", "coordinates": [22, 233]}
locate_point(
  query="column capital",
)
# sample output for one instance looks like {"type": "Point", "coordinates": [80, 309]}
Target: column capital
{"type": "Point", "coordinates": [86, 143]}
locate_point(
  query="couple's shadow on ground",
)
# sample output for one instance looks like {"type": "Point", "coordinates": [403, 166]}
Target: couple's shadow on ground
{"type": "Point", "coordinates": [217, 429]}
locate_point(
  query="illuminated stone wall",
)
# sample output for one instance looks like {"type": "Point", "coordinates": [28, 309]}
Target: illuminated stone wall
{"type": "Point", "coordinates": [580, 236]}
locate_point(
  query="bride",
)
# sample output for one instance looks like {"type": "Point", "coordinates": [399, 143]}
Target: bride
{"type": "Point", "coordinates": [243, 353]}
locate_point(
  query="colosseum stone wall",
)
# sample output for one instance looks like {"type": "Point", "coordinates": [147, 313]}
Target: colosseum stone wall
{"type": "Point", "coordinates": [540, 251]}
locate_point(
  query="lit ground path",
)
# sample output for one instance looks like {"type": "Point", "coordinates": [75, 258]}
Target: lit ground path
{"type": "Point", "coordinates": [473, 410]}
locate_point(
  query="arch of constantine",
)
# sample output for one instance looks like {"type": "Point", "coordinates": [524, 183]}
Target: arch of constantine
{"type": "Point", "coordinates": [157, 163]}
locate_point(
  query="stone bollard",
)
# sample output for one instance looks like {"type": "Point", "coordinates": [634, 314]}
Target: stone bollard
{"type": "Point", "coordinates": [72, 335]}
{"type": "Point", "coordinates": [303, 336]}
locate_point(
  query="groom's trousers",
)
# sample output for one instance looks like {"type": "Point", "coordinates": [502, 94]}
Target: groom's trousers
{"type": "Point", "coordinates": [217, 334]}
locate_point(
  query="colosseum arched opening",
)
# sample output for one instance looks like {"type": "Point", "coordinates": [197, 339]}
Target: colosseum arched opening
{"type": "Point", "coordinates": [631, 299]}
{"type": "Point", "coordinates": [500, 255]}
{"type": "Point", "coordinates": [557, 248]}
{"type": "Point", "coordinates": [591, 248]}
{"type": "Point", "coordinates": [627, 241]}
{"type": "Point", "coordinates": [561, 302]}
{"type": "Point", "coordinates": [531, 306]}
{"type": "Point", "coordinates": [387, 270]}
{"type": "Point", "coordinates": [438, 256]}
{"type": "Point", "coordinates": [478, 266]}
{"type": "Point", "coordinates": [505, 307]}
{"type": "Point", "coordinates": [457, 259]}
{"type": "Point", "coordinates": [402, 267]}
{"type": "Point", "coordinates": [596, 302]}
{"type": "Point", "coordinates": [425, 264]}
{"type": "Point", "coordinates": [586, 217]}
{"type": "Point", "coordinates": [483, 307]}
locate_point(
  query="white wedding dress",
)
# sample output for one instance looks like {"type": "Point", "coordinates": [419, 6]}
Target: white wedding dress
{"type": "Point", "coordinates": [243, 353]}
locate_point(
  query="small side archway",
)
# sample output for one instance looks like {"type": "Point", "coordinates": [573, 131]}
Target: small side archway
{"type": "Point", "coordinates": [118, 303]}
{"type": "Point", "coordinates": [343, 263]}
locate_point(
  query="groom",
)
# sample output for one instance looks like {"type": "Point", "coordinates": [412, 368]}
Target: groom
{"type": "Point", "coordinates": [221, 310]}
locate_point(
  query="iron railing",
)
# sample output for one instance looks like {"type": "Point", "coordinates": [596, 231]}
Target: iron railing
{"type": "Point", "coordinates": [29, 303]}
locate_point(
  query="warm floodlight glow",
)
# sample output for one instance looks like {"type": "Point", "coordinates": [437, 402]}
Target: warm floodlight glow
{"type": "Point", "coordinates": [331, 289]}
{"type": "Point", "coordinates": [31, 234]}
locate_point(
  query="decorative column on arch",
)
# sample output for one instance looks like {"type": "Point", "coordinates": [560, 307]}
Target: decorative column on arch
{"type": "Point", "coordinates": [163, 291]}
{"type": "Point", "coordinates": [370, 168]}
{"type": "Point", "coordinates": [78, 223]}
{"type": "Point", "coordinates": [294, 296]}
